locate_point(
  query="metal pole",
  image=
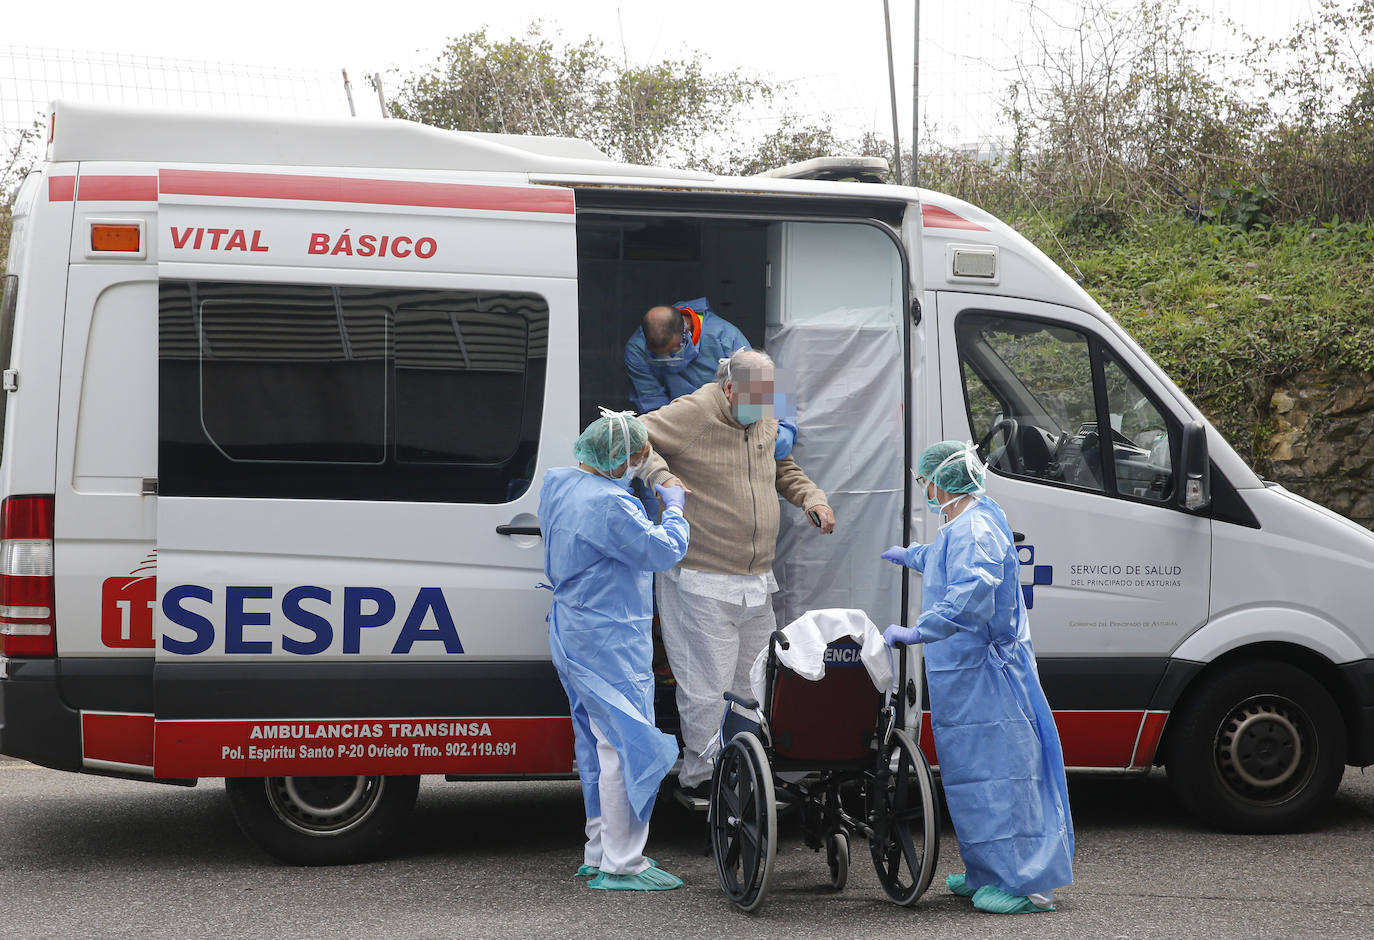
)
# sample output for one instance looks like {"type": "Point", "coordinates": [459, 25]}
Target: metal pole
{"type": "Point", "coordinates": [348, 90]}
{"type": "Point", "coordinates": [381, 98]}
{"type": "Point", "coordinates": [916, 96]}
{"type": "Point", "coordinates": [892, 87]}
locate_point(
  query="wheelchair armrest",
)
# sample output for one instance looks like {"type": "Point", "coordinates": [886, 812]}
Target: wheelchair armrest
{"type": "Point", "coordinates": [743, 701]}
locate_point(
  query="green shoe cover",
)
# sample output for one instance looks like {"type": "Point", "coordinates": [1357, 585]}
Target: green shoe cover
{"type": "Point", "coordinates": [994, 900]}
{"type": "Point", "coordinates": [591, 871]}
{"type": "Point", "coordinates": [650, 879]}
{"type": "Point", "coordinates": [955, 883]}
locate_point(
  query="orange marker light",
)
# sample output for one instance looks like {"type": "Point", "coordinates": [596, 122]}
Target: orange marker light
{"type": "Point", "coordinates": [114, 237]}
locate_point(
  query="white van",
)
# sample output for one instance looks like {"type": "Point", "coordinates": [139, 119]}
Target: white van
{"type": "Point", "coordinates": [280, 393]}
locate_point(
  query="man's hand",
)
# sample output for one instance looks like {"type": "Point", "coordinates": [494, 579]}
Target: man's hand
{"type": "Point", "coordinates": [823, 518]}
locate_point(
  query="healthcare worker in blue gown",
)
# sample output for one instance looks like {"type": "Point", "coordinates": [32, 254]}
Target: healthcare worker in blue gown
{"type": "Point", "coordinates": [1000, 761]}
{"type": "Point", "coordinates": [676, 351]}
{"type": "Point", "coordinates": [599, 550]}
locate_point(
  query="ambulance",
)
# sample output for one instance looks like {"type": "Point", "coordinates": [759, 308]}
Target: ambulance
{"type": "Point", "coordinates": [279, 394]}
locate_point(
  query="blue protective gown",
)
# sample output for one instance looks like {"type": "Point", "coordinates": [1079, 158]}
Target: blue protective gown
{"type": "Point", "coordinates": [599, 550]}
{"type": "Point", "coordinates": [1000, 760]}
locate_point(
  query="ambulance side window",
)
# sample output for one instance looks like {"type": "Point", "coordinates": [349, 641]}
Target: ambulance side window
{"type": "Point", "coordinates": [1144, 462]}
{"type": "Point", "coordinates": [1039, 395]}
{"type": "Point", "coordinates": [318, 392]}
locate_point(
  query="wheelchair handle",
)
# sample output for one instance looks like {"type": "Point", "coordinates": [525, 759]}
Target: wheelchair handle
{"type": "Point", "coordinates": [779, 639]}
{"type": "Point", "coordinates": [743, 701]}
{"type": "Point", "coordinates": [906, 691]}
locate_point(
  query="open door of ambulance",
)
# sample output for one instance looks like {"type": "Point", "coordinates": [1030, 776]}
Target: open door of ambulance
{"type": "Point", "coordinates": [357, 402]}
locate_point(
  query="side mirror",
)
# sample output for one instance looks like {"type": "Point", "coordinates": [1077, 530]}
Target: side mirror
{"type": "Point", "coordinates": [1195, 470]}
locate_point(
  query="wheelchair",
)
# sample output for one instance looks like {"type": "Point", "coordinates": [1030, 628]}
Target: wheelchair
{"type": "Point", "coordinates": [815, 748]}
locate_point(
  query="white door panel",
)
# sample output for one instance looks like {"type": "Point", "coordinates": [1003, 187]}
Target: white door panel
{"type": "Point", "coordinates": [1103, 575]}
{"type": "Point", "coordinates": [107, 447]}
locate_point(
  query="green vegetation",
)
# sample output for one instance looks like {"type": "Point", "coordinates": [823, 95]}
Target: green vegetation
{"type": "Point", "coordinates": [1230, 314]}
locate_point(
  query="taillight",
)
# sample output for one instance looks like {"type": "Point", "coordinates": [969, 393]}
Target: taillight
{"type": "Point", "coordinates": [27, 624]}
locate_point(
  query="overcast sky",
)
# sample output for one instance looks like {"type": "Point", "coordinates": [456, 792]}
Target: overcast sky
{"type": "Point", "coordinates": [829, 54]}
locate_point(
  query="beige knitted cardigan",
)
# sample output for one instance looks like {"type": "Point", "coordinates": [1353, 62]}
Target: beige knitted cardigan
{"type": "Point", "coordinates": [733, 476]}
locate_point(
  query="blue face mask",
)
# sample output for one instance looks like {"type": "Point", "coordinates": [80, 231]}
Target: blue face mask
{"type": "Point", "coordinates": [933, 506]}
{"type": "Point", "coordinates": [747, 414]}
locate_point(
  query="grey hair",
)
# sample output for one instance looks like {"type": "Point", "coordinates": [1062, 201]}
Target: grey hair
{"type": "Point", "coordinates": [742, 360]}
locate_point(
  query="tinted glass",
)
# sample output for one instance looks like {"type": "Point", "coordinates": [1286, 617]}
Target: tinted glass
{"type": "Point", "coordinates": [306, 391]}
{"type": "Point", "coordinates": [1029, 390]}
{"type": "Point", "coordinates": [1144, 463]}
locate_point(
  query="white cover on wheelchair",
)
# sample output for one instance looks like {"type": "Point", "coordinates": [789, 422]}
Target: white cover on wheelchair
{"type": "Point", "coordinates": [807, 637]}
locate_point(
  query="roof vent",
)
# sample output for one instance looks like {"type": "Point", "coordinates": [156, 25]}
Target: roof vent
{"type": "Point", "coordinates": [856, 169]}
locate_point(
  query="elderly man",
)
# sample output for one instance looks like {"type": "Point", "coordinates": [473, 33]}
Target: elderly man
{"type": "Point", "coordinates": [675, 351]}
{"type": "Point", "coordinates": [714, 606]}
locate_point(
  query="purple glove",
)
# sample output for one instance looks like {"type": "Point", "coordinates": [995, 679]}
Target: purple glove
{"type": "Point", "coordinates": [896, 554]}
{"type": "Point", "coordinates": [674, 497]}
{"type": "Point", "coordinates": [895, 634]}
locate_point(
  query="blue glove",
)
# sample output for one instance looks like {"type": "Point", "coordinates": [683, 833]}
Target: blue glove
{"type": "Point", "coordinates": [674, 497]}
{"type": "Point", "coordinates": [896, 554]}
{"type": "Point", "coordinates": [787, 439]}
{"type": "Point", "coordinates": [895, 634]}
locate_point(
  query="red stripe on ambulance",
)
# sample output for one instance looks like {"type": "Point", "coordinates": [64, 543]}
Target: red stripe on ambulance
{"type": "Point", "coordinates": [292, 747]}
{"type": "Point", "coordinates": [1150, 732]}
{"type": "Point", "coordinates": [61, 188]}
{"type": "Point", "coordinates": [373, 192]}
{"type": "Point", "coordinates": [117, 189]}
{"type": "Point", "coordinates": [938, 217]}
{"type": "Point", "coordinates": [117, 738]}
{"type": "Point", "coordinates": [1105, 739]}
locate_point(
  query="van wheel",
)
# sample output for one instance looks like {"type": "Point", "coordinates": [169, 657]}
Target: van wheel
{"type": "Point", "coordinates": [322, 820]}
{"type": "Point", "coordinates": [1260, 748]}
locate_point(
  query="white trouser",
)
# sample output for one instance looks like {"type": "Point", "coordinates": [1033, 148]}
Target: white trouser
{"type": "Point", "coordinates": [711, 645]}
{"type": "Point", "coordinates": [615, 839]}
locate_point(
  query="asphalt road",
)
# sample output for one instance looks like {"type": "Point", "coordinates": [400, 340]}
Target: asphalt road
{"type": "Point", "coordinates": [85, 856]}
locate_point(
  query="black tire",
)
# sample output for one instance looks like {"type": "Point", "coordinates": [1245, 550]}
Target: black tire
{"type": "Point", "coordinates": [1259, 748]}
{"type": "Point", "coordinates": [905, 820]}
{"type": "Point", "coordinates": [837, 859]}
{"type": "Point", "coordinates": [322, 820]}
{"type": "Point", "coordinates": [743, 820]}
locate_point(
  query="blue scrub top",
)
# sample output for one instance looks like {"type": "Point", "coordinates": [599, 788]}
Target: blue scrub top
{"type": "Point", "coordinates": [652, 385]}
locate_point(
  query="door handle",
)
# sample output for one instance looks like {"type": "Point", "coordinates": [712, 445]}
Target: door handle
{"type": "Point", "coordinates": [519, 530]}
{"type": "Point", "coordinates": [1015, 536]}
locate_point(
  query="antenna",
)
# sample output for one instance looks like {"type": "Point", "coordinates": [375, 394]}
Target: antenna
{"type": "Point", "coordinates": [348, 90]}
{"type": "Point", "coordinates": [381, 98]}
{"type": "Point", "coordinates": [916, 94]}
{"type": "Point", "coordinates": [892, 87]}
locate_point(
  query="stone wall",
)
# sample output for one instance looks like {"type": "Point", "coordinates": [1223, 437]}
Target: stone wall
{"type": "Point", "coordinates": [1323, 441]}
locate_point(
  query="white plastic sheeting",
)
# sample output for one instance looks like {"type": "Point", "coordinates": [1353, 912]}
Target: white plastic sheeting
{"type": "Point", "coordinates": [847, 369]}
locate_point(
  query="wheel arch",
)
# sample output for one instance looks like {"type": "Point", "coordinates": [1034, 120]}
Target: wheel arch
{"type": "Point", "coordinates": [1181, 685]}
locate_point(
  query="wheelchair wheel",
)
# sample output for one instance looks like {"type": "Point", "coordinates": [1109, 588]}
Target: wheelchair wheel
{"type": "Point", "coordinates": [905, 820]}
{"type": "Point", "coordinates": [837, 857]}
{"type": "Point", "coordinates": [744, 820]}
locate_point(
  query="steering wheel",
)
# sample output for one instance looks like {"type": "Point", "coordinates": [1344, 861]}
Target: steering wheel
{"type": "Point", "coordinates": [1013, 448]}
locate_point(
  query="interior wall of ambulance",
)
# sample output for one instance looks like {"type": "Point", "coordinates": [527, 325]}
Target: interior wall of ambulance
{"type": "Point", "coordinates": [833, 313]}
{"type": "Point", "coordinates": [826, 301]}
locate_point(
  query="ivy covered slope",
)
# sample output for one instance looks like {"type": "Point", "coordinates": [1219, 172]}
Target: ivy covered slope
{"type": "Point", "coordinates": [1270, 331]}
